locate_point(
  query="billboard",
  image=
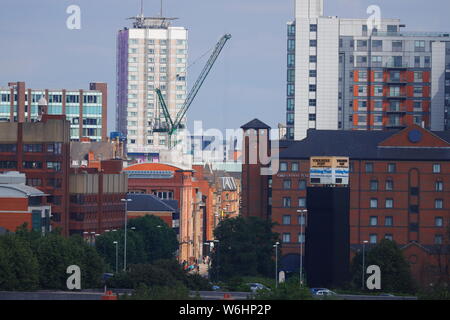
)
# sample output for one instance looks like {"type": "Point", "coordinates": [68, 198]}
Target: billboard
{"type": "Point", "coordinates": [329, 170]}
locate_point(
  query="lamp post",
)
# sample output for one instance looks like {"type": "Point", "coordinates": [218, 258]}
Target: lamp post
{"type": "Point", "coordinates": [302, 243]}
{"type": "Point", "coordinates": [125, 240]}
{"type": "Point", "coordinates": [363, 263]}
{"type": "Point", "coordinates": [117, 256]}
{"type": "Point", "coordinates": [217, 252]}
{"type": "Point", "coordinates": [276, 263]}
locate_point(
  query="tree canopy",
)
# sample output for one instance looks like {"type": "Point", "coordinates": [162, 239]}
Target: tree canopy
{"type": "Point", "coordinates": [245, 248]}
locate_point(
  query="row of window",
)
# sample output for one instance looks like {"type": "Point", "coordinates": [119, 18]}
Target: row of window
{"type": "Point", "coordinates": [369, 167]}
{"type": "Point", "coordinates": [287, 238]}
{"type": "Point", "coordinates": [389, 203]}
{"type": "Point", "coordinates": [287, 220]}
{"type": "Point", "coordinates": [389, 221]}
{"type": "Point", "coordinates": [389, 186]}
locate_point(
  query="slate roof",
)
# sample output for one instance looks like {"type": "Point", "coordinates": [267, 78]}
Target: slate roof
{"type": "Point", "coordinates": [148, 202]}
{"type": "Point", "coordinates": [360, 145]}
{"type": "Point", "coordinates": [255, 124]}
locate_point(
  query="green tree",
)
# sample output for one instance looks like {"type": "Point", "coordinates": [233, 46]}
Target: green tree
{"type": "Point", "coordinates": [395, 270]}
{"type": "Point", "coordinates": [245, 248]}
{"type": "Point", "coordinates": [148, 239]}
{"type": "Point", "coordinates": [18, 265]}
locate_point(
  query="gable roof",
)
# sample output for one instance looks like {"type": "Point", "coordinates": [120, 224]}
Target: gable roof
{"type": "Point", "coordinates": [361, 145]}
{"type": "Point", "coordinates": [148, 202]}
{"type": "Point", "coordinates": [255, 124]}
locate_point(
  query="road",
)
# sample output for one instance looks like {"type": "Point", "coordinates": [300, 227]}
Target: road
{"type": "Point", "coordinates": [205, 295]}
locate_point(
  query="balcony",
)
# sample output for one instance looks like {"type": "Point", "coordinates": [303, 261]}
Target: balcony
{"type": "Point", "coordinates": [395, 66]}
{"type": "Point", "coordinates": [397, 81]}
{"type": "Point", "coordinates": [395, 96]}
{"type": "Point", "coordinates": [395, 125]}
{"type": "Point", "coordinates": [396, 110]}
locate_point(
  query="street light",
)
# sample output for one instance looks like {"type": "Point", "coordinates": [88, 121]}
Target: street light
{"type": "Point", "coordinates": [117, 256]}
{"type": "Point", "coordinates": [302, 222]}
{"type": "Point", "coordinates": [363, 263]}
{"type": "Point", "coordinates": [125, 240]}
{"type": "Point", "coordinates": [276, 263]}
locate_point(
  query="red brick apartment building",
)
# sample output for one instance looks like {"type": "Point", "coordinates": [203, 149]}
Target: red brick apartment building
{"type": "Point", "coordinates": [399, 189]}
{"type": "Point", "coordinates": [81, 200]}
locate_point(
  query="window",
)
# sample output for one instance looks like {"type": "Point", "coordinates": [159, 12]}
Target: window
{"type": "Point", "coordinates": [389, 203]}
{"type": "Point", "coordinates": [313, 43]}
{"type": "Point", "coordinates": [373, 238]}
{"type": "Point", "coordinates": [313, 59]}
{"type": "Point", "coordinates": [290, 104]}
{"type": "Point", "coordinates": [294, 166]}
{"type": "Point", "coordinates": [389, 237]}
{"type": "Point", "coordinates": [287, 184]}
{"type": "Point", "coordinates": [418, 91]}
{"type": "Point", "coordinates": [389, 185]}
{"type": "Point", "coordinates": [301, 220]}
{"type": "Point", "coordinates": [373, 185]}
{"type": "Point", "coordinates": [302, 202]}
{"type": "Point", "coordinates": [438, 204]}
{"type": "Point", "coordinates": [439, 222]}
{"type": "Point", "coordinates": [8, 148]}
{"type": "Point", "coordinates": [374, 203]}
{"type": "Point", "coordinates": [286, 202]}
{"type": "Point", "coordinates": [418, 76]}
{"type": "Point", "coordinates": [313, 73]}
{"type": "Point", "coordinates": [283, 166]}
{"type": "Point", "coordinates": [436, 168]}
{"type": "Point", "coordinates": [373, 221]}
{"type": "Point", "coordinates": [312, 88]}
{"type": "Point", "coordinates": [54, 165]}
{"type": "Point", "coordinates": [32, 165]}
{"type": "Point", "coordinates": [438, 239]}
{"type": "Point", "coordinates": [290, 90]}
{"type": "Point", "coordinates": [291, 60]}
{"type": "Point", "coordinates": [32, 148]}
{"type": "Point", "coordinates": [369, 167]}
{"type": "Point", "coordinates": [312, 102]}
{"type": "Point", "coordinates": [419, 46]}
{"type": "Point", "coordinates": [397, 45]}
{"type": "Point", "coordinates": [286, 237]}
{"type": "Point", "coordinates": [302, 185]}
{"type": "Point", "coordinates": [313, 28]}
{"type": "Point", "coordinates": [439, 186]}
{"type": "Point", "coordinates": [291, 75]}
{"type": "Point", "coordinates": [286, 219]}
{"type": "Point", "coordinates": [392, 167]}
{"type": "Point", "coordinates": [301, 238]}
{"type": "Point", "coordinates": [312, 117]}
{"type": "Point", "coordinates": [389, 221]}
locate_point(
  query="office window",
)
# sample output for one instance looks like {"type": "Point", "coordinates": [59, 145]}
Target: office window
{"type": "Point", "coordinates": [389, 203]}
{"type": "Point", "coordinates": [312, 88]}
{"type": "Point", "coordinates": [290, 104]}
{"type": "Point", "coordinates": [32, 148]}
{"type": "Point", "coordinates": [436, 168]}
{"type": "Point", "coordinates": [312, 117]}
{"type": "Point", "coordinates": [418, 76]}
{"type": "Point", "coordinates": [291, 75]}
{"type": "Point", "coordinates": [373, 185]}
{"type": "Point", "coordinates": [438, 204]}
{"type": "Point", "coordinates": [439, 186]}
{"type": "Point", "coordinates": [291, 44]}
{"type": "Point", "coordinates": [286, 184]}
{"type": "Point", "coordinates": [312, 102]}
{"type": "Point", "coordinates": [286, 219]}
{"type": "Point", "coordinates": [389, 221]}
{"type": "Point", "coordinates": [286, 237]}
{"type": "Point", "coordinates": [373, 239]}
{"type": "Point", "coordinates": [313, 28]}
{"type": "Point", "coordinates": [313, 59]}
{"type": "Point", "coordinates": [286, 202]}
{"type": "Point", "coordinates": [374, 203]}
{"type": "Point", "coordinates": [302, 184]}
{"type": "Point", "coordinates": [283, 166]}
{"type": "Point", "coordinates": [373, 221]}
{"type": "Point", "coordinates": [439, 222]}
{"type": "Point", "coordinates": [294, 166]}
{"type": "Point", "coordinates": [313, 73]}
{"type": "Point", "coordinates": [369, 167]}
{"type": "Point", "coordinates": [313, 43]}
{"type": "Point", "coordinates": [389, 185]}
{"type": "Point", "coordinates": [290, 90]}
{"type": "Point", "coordinates": [392, 168]}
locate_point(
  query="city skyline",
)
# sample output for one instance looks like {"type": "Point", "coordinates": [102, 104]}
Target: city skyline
{"type": "Point", "coordinates": [39, 39]}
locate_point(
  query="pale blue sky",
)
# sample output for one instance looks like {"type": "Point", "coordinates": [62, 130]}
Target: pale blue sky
{"type": "Point", "coordinates": [248, 80]}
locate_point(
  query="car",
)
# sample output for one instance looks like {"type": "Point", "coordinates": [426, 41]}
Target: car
{"type": "Point", "coordinates": [315, 290]}
{"type": "Point", "coordinates": [386, 295]}
{"type": "Point", "coordinates": [325, 292]}
{"type": "Point", "coordinates": [215, 288]}
{"type": "Point", "coordinates": [256, 287]}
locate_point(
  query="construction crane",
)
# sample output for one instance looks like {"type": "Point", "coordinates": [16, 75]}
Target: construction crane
{"type": "Point", "coordinates": [173, 125]}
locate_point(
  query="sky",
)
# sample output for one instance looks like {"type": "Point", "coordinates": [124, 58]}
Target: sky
{"type": "Point", "coordinates": [248, 80]}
